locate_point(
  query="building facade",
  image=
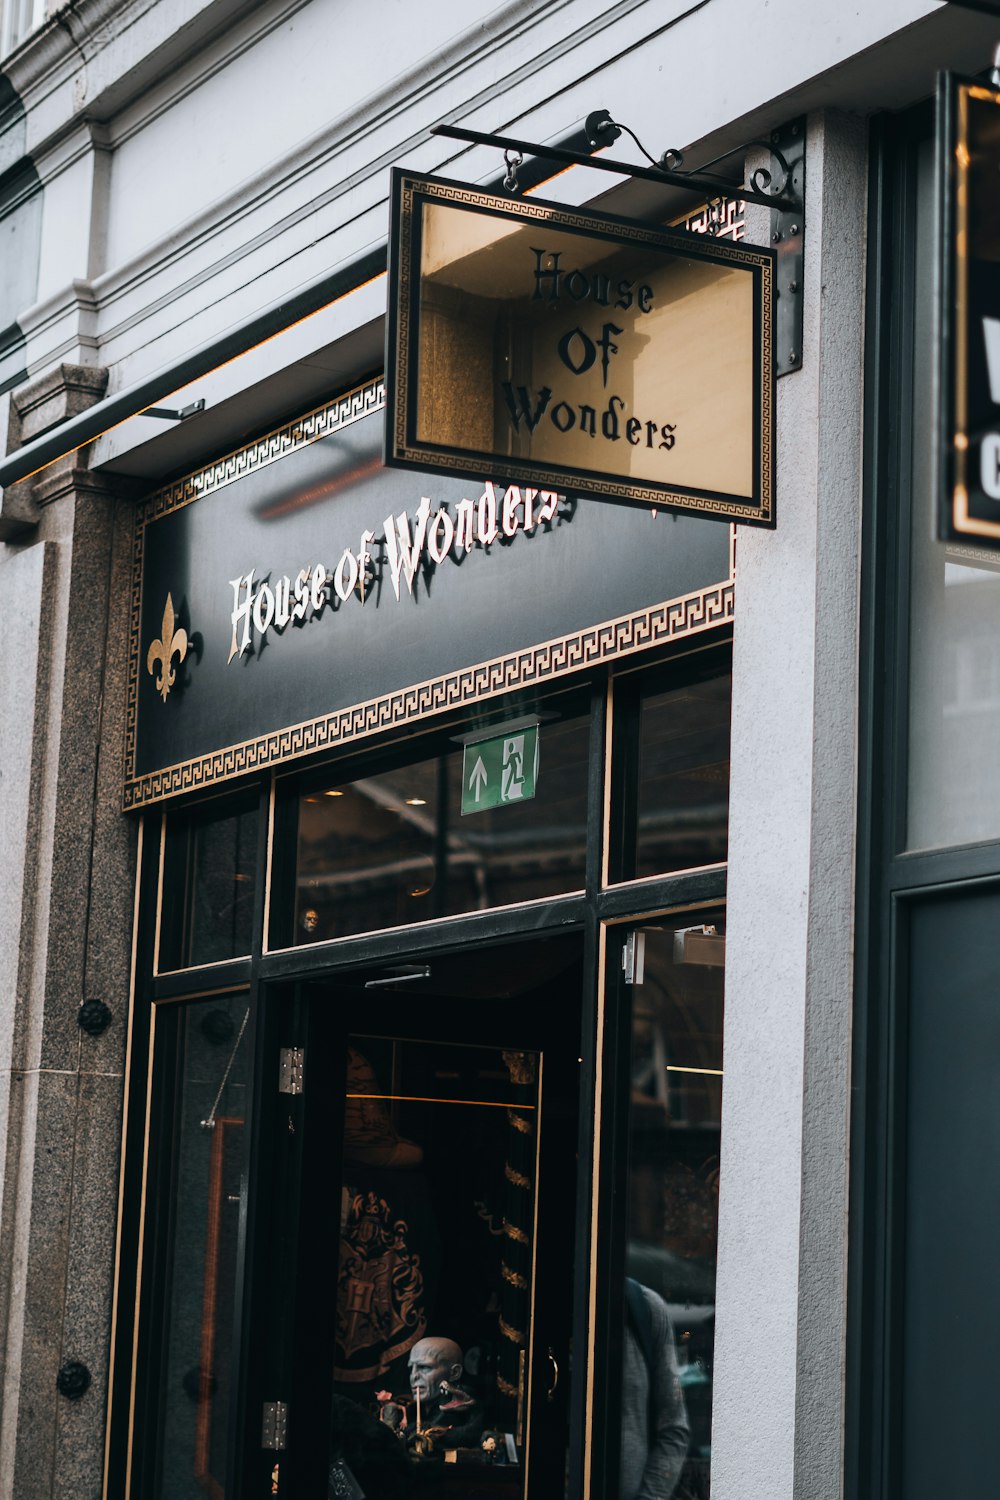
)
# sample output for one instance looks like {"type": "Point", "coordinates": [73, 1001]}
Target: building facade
{"type": "Point", "coordinates": [308, 1058]}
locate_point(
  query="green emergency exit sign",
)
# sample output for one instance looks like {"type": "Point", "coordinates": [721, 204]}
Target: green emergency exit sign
{"type": "Point", "coordinates": [500, 771]}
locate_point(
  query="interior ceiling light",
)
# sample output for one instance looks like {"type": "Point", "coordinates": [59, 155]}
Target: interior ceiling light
{"type": "Point", "coordinates": [416, 801]}
{"type": "Point", "coordinates": [333, 792]}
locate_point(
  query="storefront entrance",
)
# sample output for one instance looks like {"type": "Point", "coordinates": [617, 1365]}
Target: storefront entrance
{"type": "Point", "coordinates": [419, 1098]}
{"type": "Point", "coordinates": [423, 1188]}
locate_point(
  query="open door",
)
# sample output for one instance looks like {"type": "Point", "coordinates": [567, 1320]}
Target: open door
{"type": "Point", "coordinates": [433, 1239]}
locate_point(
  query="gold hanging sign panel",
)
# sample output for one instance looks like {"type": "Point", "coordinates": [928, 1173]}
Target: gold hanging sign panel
{"type": "Point", "coordinates": [553, 345]}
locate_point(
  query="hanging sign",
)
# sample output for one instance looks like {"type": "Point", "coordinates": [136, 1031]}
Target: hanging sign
{"type": "Point", "coordinates": [969, 312]}
{"type": "Point", "coordinates": [560, 346]}
{"type": "Point", "coordinates": [501, 770]}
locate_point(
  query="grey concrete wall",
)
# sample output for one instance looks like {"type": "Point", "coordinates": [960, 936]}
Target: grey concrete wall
{"type": "Point", "coordinates": [65, 935]}
{"type": "Point", "coordinates": [778, 1425]}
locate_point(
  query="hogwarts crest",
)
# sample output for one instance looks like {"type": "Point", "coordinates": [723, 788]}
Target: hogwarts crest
{"type": "Point", "coordinates": [380, 1313]}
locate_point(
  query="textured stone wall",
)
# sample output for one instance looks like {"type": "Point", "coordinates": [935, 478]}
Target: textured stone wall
{"type": "Point", "coordinates": [65, 935]}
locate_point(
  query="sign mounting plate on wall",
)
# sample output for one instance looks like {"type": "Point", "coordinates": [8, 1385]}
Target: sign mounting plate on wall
{"type": "Point", "coordinates": [602, 356]}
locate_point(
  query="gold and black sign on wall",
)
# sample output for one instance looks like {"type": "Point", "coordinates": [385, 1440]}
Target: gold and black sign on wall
{"type": "Point", "coordinates": [596, 354]}
{"type": "Point", "coordinates": [296, 596]}
{"type": "Point", "coordinates": [969, 311]}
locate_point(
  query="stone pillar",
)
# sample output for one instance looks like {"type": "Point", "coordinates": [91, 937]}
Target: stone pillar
{"type": "Point", "coordinates": [35, 409]}
{"type": "Point", "coordinates": [65, 936]}
{"type": "Point", "coordinates": [779, 1387]}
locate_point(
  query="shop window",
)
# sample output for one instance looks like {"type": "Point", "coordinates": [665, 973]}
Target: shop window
{"type": "Point", "coordinates": [190, 1385]}
{"type": "Point", "coordinates": [671, 1229]}
{"type": "Point", "coordinates": [954, 791]}
{"type": "Point", "coordinates": [672, 790]}
{"type": "Point", "coordinates": [394, 847]}
{"type": "Point", "coordinates": [209, 865]}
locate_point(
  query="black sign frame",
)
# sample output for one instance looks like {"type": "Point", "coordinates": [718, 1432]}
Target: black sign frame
{"type": "Point", "coordinates": [963, 506]}
{"type": "Point", "coordinates": [402, 447]}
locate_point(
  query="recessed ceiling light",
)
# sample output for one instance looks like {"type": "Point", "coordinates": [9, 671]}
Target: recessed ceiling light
{"type": "Point", "coordinates": [420, 890]}
{"type": "Point", "coordinates": [416, 801]}
{"type": "Point", "coordinates": [333, 792]}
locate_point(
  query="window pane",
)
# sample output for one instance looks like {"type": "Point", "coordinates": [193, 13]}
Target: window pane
{"type": "Point", "coordinates": [197, 1300]}
{"type": "Point", "coordinates": [525, 849]}
{"type": "Point", "coordinates": [367, 854]}
{"type": "Point", "coordinates": [679, 819]}
{"type": "Point", "coordinates": [208, 884]}
{"type": "Point", "coordinates": [672, 1218]}
{"type": "Point", "coordinates": [954, 791]}
{"type": "Point", "coordinates": [394, 847]}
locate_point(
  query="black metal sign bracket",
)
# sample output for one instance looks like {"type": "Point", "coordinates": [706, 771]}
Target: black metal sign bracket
{"type": "Point", "coordinates": [603, 130]}
{"type": "Point", "coordinates": [788, 148]}
{"type": "Point", "coordinates": [779, 187]}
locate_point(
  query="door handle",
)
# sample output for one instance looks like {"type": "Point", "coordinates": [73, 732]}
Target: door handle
{"type": "Point", "coordinates": [550, 1394]}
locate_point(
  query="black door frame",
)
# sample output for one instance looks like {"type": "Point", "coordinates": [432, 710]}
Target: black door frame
{"type": "Point", "coordinates": [890, 879]}
{"type": "Point", "coordinates": [296, 1293]}
{"type": "Point", "coordinates": [593, 912]}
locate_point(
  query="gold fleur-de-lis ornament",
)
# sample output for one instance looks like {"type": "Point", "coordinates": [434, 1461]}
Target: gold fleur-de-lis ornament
{"type": "Point", "coordinates": [171, 643]}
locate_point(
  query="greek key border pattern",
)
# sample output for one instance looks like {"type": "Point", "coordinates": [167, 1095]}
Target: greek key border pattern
{"type": "Point", "coordinates": [132, 663]}
{"type": "Point", "coordinates": [720, 218]}
{"type": "Point", "coordinates": [323, 420]}
{"type": "Point", "coordinates": [401, 374]}
{"type": "Point", "coordinates": [526, 208]}
{"type": "Point", "coordinates": [655, 626]}
{"type": "Point", "coordinates": [767, 394]}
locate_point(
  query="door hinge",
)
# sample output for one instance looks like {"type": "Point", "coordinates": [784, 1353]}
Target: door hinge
{"type": "Point", "coordinates": [274, 1429]}
{"type": "Point", "coordinates": [291, 1063]}
{"type": "Point", "coordinates": [634, 957]}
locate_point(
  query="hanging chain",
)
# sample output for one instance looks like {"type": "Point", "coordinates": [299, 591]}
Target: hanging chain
{"type": "Point", "coordinates": [513, 160]}
{"type": "Point", "coordinates": [209, 1123]}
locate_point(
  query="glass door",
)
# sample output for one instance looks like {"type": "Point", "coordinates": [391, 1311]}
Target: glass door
{"type": "Point", "coordinates": [430, 1255]}
{"type": "Point", "coordinates": [667, 978]}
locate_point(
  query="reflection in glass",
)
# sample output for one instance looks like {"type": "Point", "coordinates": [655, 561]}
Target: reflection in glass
{"type": "Point", "coordinates": [671, 1250]}
{"type": "Point", "coordinates": [193, 1398]}
{"type": "Point", "coordinates": [394, 848]}
{"type": "Point", "coordinates": [954, 791]}
{"type": "Point", "coordinates": [208, 884]}
{"type": "Point", "coordinates": [436, 1260]}
{"type": "Point", "coordinates": [584, 353]}
{"type": "Point", "coordinates": [683, 799]}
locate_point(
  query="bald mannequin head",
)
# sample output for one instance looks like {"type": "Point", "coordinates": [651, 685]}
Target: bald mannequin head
{"type": "Point", "coordinates": [431, 1361]}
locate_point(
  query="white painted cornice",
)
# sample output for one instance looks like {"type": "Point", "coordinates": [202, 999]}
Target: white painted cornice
{"type": "Point", "coordinates": [70, 36]}
{"type": "Point", "coordinates": [352, 148]}
{"type": "Point", "coordinates": [126, 61]}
